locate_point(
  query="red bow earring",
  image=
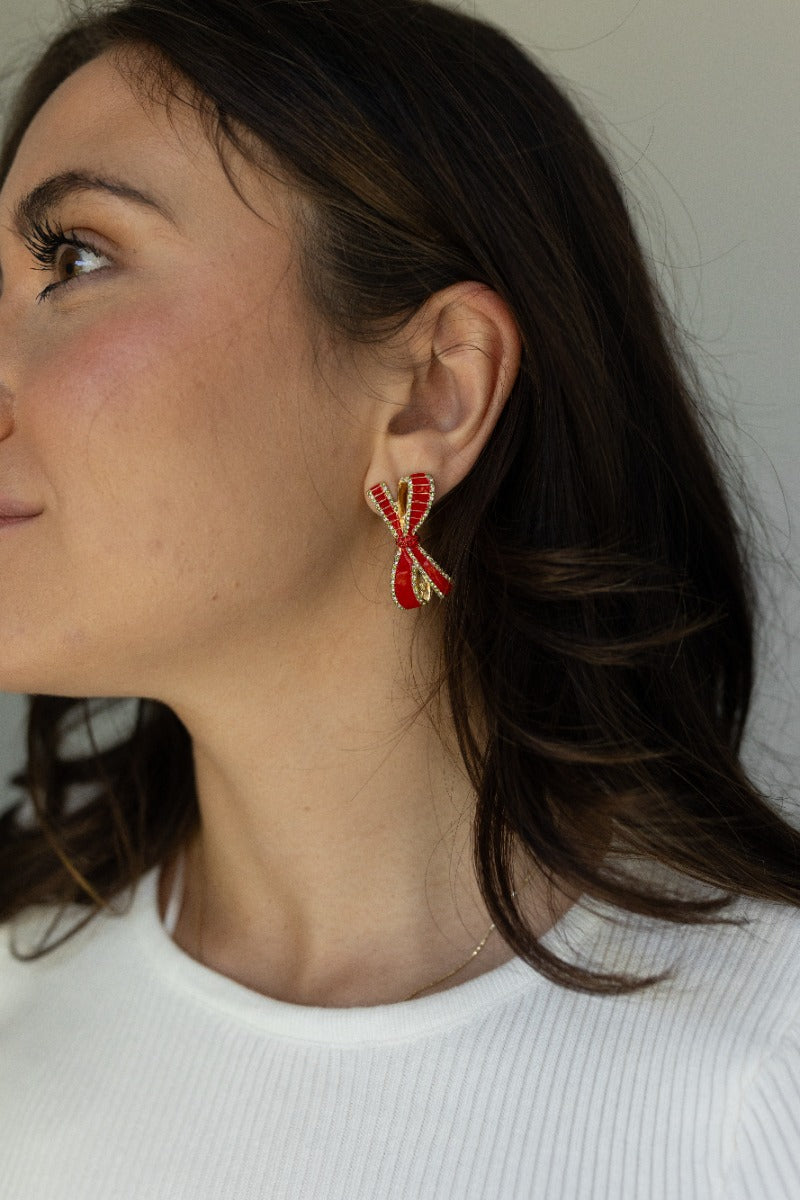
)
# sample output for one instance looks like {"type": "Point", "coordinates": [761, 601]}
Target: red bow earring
{"type": "Point", "coordinates": [414, 572]}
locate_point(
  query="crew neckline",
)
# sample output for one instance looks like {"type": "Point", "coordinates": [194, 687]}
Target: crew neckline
{"type": "Point", "coordinates": [396, 1021]}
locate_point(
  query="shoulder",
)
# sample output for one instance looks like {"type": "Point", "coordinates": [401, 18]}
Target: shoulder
{"type": "Point", "coordinates": [765, 1152]}
{"type": "Point", "coordinates": [747, 953]}
{"type": "Point", "coordinates": [25, 973]}
{"type": "Point", "coordinates": [750, 961]}
{"type": "Point", "coordinates": [733, 986]}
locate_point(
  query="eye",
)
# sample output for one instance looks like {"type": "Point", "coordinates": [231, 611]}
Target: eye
{"type": "Point", "coordinates": [46, 242]}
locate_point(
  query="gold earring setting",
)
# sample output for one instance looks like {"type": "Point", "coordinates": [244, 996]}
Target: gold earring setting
{"type": "Point", "coordinates": [414, 573]}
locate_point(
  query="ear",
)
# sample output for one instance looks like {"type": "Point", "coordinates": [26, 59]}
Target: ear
{"type": "Point", "coordinates": [439, 412]}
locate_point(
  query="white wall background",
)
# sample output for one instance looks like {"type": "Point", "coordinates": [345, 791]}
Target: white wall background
{"type": "Point", "coordinates": [700, 104]}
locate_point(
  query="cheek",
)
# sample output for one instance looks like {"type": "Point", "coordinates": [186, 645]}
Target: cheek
{"type": "Point", "coordinates": [109, 415]}
{"type": "Point", "coordinates": [167, 442]}
{"type": "Point", "coordinates": [124, 400]}
{"type": "Point", "coordinates": [117, 370]}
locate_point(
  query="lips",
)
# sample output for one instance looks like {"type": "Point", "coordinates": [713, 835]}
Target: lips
{"type": "Point", "coordinates": [13, 509]}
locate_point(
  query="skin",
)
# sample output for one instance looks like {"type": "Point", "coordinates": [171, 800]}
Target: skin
{"type": "Point", "coordinates": [206, 540]}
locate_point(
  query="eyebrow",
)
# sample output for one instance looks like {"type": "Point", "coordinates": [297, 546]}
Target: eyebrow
{"type": "Point", "coordinates": [33, 208]}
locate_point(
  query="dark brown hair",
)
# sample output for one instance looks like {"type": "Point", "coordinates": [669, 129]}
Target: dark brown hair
{"type": "Point", "coordinates": [603, 601]}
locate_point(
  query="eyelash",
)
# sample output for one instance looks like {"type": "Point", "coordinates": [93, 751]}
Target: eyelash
{"type": "Point", "coordinates": [44, 242]}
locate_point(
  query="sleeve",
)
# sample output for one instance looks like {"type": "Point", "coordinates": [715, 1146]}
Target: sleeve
{"type": "Point", "coordinates": [765, 1164]}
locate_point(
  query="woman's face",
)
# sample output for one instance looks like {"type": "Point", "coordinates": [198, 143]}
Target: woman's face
{"type": "Point", "coordinates": [160, 409]}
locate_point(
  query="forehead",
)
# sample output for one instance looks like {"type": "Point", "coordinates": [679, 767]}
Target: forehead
{"type": "Point", "coordinates": [95, 111]}
{"type": "Point", "coordinates": [96, 120]}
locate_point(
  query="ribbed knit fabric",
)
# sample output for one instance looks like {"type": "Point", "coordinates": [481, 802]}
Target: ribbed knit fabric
{"type": "Point", "coordinates": [130, 1071]}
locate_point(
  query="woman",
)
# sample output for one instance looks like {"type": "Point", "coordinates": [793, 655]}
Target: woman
{"type": "Point", "coordinates": [365, 458]}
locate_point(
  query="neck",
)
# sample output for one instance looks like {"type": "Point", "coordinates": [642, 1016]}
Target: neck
{"type": "Point", "coordinates": [333, 861]}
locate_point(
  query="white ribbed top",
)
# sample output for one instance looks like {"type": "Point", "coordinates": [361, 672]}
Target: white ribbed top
{"type": "Point", "coordinates": [130, 1071]}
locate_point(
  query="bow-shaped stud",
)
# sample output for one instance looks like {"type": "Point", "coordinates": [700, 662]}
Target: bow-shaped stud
{"type": "Point", "coordinates": [414, 572]}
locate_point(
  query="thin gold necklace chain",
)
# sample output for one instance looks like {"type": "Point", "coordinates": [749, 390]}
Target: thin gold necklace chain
{"type": "Point", "coordinates": [477, 949]}
{"type": "Point", "coordinates": [449, 974]}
